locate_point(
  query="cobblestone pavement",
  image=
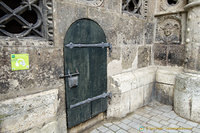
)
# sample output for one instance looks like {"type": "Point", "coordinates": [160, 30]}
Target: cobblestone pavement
{"type": "Point", "coordinates": [155, 117]}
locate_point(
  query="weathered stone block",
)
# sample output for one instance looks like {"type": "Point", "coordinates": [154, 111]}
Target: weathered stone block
{"type": "Point", "coordinates": [129, 37]}
{"type": "Point", "coordinates": [124, 81]}
{"type": "Point", "coordinates": [128, 56]}
{"type": "Point", "coordinates": [160, 54]}
{"type": "Point", "coordinates": [182, 103]}
{"type": "Point", "coordinates": [169, 55]}
{"type": "Point", "coordinates": [176, 55]}
{"type": "Point", "coordinates": [26, 112]}
{"type": "Point", "coordinates": [164, 93]}
{"type": "Point", "coordinates": [46, 64]}
{"type": "Point", "coordinates": [195, 111]}
{"type": "Point", "coordinates": [136, 99]}
{"type": "Point", "coordinates": [167, 75]}
{"type": "Point", "coordinates": [144, 56]}
{"type": "Point", "coordinates": [186, 96]}
{"type": "Point", "coordinates": [144, 77]}
{"type": "Point", "coordinates": [149, 33]}
{"type": "Point", "coordinates": [130, 90]}
{"type": "Point", "coordinates": [148, 93]}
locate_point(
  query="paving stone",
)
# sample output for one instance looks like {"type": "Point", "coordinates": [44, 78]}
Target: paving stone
{"type": "Point", "coordinates": [137, 121]}
{"type": "Point", "coordinates": [94, 131]}
{"type": "Point", "coordinates": [124, 126]}
{"type": "Point", "coordinates": [157, 119]}
{"type": "Point", "coordinates": [157, 112]}
{"type": "Point", "coordinates": [147, 115]}
{"type": "Point", "coordinates": [180, 119]}
{"type": "Point", "coordinates": [153, 114]}
{"type": "Point", "coordinates": [137, 116]}
{"type": "Point", "coordinates": [196, 130]}
{"type": "Point", "coordinates": [172, 131]}
{"type": "Point", "coordinates": [121, 131]}
{"type": "Point", "coordinates": [132, 130]}
{"type": "Point", "coordinates": [143, 111]}
{"type": "Point", "coordinates": [126, 121]}
{"type": "Point", "coordinates": [139, 113]}
{"type": "Point", "coordinates": [114, 128]}
{"type": "Point", "coordinates": [156, 124]}
{"type": "Point", "coordinates": [193, 124]}
{"type": "Point", "coordinates": [165, 109]}
{"type": "Point", "coordinates": [186, 131]}
{"type": "Point", "coordinates": [183, 125]}
{"type": "Point", "coordinates": [164, 122]}
{"type": "Point", "coordinates": [108, 124]}
{"type": "Point", "coordinates": [144, 119]}
{"type": "Point", "coordinates": [134, 125]}
{"type": "Point", "coordinates": [109, 131]}
{"type": "Point", "coordinates": [117, 122]}
{"type": "Point", "coordinates": [172, 121]}
{"type": "Point", "coordinates": [172, 116]}
{"type": "Point", "coordinates": [102, 129]}
{"type": "Point", "coordinates": [148, 108]}
{"type": "Point", "coordinates": [152, 120]}
{"type": "Point", "coordinates": [173, 126]}
{"type": "Point", "coordinates": [162, 131]}
{"type": "Point", "coordinates": [163, 117]}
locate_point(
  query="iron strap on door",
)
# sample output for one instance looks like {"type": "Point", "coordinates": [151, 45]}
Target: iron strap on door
{"type": "Point", "coordinates": [104, 95]}
{"type": "Point", "coordinates": [98, 45]}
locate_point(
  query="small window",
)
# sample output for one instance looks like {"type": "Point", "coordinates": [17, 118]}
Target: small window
{"type": "Point", "coordinates": [172, 2]}
{"type": "Point", "coordinates": [132, 6]}
{"type": "Point", "coordinates": [25, 18]}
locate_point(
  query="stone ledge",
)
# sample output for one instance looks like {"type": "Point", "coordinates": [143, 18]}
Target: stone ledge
{"type": "Point", "coordinates": [167, 75]}
{"type": "Point", "coordinates": [131, 90]}
{"type": "Point", "coordinates": [26, 112]}
{"type": "Point", "coordinates": [132, 80]}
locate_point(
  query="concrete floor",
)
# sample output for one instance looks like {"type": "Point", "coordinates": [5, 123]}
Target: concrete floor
{"type": "Point", "coordinates": [155, 117]}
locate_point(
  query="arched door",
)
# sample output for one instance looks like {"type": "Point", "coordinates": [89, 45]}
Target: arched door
{"type": "Point", "coordinates": [85, 60]}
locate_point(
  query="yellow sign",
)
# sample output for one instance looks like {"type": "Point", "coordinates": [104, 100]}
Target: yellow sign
{"type": "Point", "coordinates": [19, 61]}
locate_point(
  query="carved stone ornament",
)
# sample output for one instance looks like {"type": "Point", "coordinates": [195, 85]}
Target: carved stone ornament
{"type": "Point", "coordinates": [172, 5]}
{"type": "Point", "coordinates": [137, 7]}
{"type": "Point", "coordinates": [168, 30]}
{"type": "Point", "coordinates": [91, 2]}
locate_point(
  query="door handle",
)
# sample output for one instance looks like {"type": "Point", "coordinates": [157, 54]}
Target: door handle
{"type": "Point", "coordinates": [69, 75]}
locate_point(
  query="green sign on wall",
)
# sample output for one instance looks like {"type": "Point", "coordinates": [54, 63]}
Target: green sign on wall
{"type": "Point", "coordinates": [19, 61]}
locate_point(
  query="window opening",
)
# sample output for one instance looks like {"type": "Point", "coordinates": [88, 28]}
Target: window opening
{"type": "Point", "coordinates": [172, 2]}
{"type": "Point", "coordinates": [25, 18]}
{"type": "Point", "coordinates": [132, 6]}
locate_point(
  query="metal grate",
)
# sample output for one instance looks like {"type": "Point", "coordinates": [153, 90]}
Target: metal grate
{"type": "Point", "coordinates": [26, 18]}
{"type": "Point", "coordinates": [133, 6]}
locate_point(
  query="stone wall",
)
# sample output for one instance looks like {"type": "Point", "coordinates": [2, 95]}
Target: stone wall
{"type": "Point", "coordinates": [131, 90]}
{"type": "Point", "coordinates": [165, 81]}
{"type": "Point", "coordinates": [131, 75]}
{"type": "Point", "coordinates": [169, 47]}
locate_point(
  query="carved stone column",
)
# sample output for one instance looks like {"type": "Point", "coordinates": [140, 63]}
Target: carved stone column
{"type": "Point", "coordinates": [187, 86]}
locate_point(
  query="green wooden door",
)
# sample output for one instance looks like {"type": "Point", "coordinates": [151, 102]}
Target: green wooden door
{"type": "Point", "coordinates": [91, 63]}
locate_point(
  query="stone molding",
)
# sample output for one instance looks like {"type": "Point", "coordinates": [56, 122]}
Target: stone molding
{"type": "Point", "coordinates": [192, 5]}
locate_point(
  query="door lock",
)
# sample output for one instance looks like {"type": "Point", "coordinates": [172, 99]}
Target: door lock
{"type": "Point", "coordinates": [72, 78]}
